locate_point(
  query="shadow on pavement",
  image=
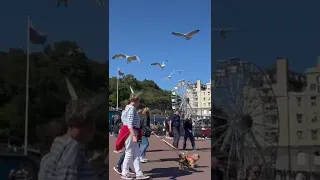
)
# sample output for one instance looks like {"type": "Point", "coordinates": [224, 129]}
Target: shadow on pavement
{"type": "Point", "coordinates": [165, 160]}
{"type": "Point", "coordinates": [170, 173]}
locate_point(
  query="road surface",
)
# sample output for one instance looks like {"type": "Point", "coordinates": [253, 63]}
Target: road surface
{"type": "Point", "coordinates": [161, 165]}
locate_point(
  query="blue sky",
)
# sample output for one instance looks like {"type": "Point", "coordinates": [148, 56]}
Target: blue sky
{"type": "Point", "coordinates": [288, 29]}
{"type": "Point", "coordinates": [144, 28]}
{"type": "Point", "coordinates": [83, 21]}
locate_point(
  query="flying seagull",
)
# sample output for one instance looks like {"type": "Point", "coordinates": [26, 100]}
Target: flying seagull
{"type": "Point", "coordinates": [186, 35]}
{"type": "Point", "coordinates": [179, 71]}
{"type": "Point", "coordinates": [160, 65]}
{"type": "Point", "coordinates": [128, 58]}
{"type": "Point", "coordinates": [224, 31]}
{"type": "Point", "coordinates": [169, 77]}
{"type": "Point", "coordinates": [100, 3]}
{"type": "Point", "coordinates": [62, 1]}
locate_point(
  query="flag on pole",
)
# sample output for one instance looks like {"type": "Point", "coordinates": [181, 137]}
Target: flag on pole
{"type": "Point", "coordinates": [120, 73]}
{"type": "Point", "coordinates": [36, 37]}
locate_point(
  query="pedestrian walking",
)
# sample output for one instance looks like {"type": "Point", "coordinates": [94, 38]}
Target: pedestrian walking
{"type": "Point", "coordinates": [118, 167]}
{"type": "Point", "coordinates": [146, 132]}
{"type": "Point", "coordinates": [117, 123]}
{"type": "Point", "coordinates": [187, 125]}
{"type": "Point", "coordinates": [166, 126]}
{"type": "Point", "coordinates": [130, 134]}
{"type": "Point", "coordinates": [111, 125]}
{"type": "Point", "coordinates": [175, 129]}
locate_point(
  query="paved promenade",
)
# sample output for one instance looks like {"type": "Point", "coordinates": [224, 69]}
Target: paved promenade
{"type": "Point", "coordinates": [161, 165]}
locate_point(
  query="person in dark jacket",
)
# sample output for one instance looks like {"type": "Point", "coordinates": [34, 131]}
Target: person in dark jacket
{"type": "Point", "coordinates": [117, 123]}
{"type": "Point", "coordinates": [146, 132]}
{"type": "Point", "coordinates": [216, 174]}
{"type": "Point", "coordinates": [187, 125]}
{"type": "Point", "coordinates": [175, 129]}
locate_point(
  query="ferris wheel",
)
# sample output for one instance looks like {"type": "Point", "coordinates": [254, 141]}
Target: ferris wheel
{"type": "Point", "coordinates": [181, 96]}
{"type": "Point", "coordinates": [246, 121]}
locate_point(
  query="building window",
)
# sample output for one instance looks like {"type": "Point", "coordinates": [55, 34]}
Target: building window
{"type": "Point", "coordinates": [298, 101]}
{"type": "Point", "coordinates": [313, 87]}
{"type": "Point", "coordinates": [204, 104]}
{"type": "Point", "coordinates": [299, 134]}
{"type": "Point", "coordinates": [314, 134]}
{"type": "Point", "coordinates": [313, 101]}
{"type": "Point", "coordinates": [209, 104]}
{"type": "Point", "coordinates": [314, 117]}
{"type": "Point", "coordinates": [299, 118]}
{"type": "Point", "coordinates": [204, 99]}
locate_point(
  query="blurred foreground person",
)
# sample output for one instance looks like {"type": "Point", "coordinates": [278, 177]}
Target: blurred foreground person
{"type": "Point", "coordinates": [253, 172]}
{"type": "Point", "coordinates": [216, 174]}
{"type": "Point", "coordinates": [130, 134]}
{"type": "Point", "coordinates": [66, 159]}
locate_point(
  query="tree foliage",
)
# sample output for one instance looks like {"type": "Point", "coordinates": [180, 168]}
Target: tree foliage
{"type": "Point", "coordinates": [48, 94]}
{"type": "Point", "coordinates": [152, 96]}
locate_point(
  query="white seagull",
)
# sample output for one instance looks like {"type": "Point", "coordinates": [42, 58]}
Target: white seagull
{"type": "Point", "coordinates": [169, 77]}
{"type": "Point", "coordinates": [128, 58]}
{"type": "Point", "coordinates": [186, 35]}
{"type": "Point", "coordinates": [160, 65]}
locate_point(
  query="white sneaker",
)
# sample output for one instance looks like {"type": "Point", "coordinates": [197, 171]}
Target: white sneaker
{"type": "Point", "coordinates": [142, 177]}
{"type": "Point", "coordinates": [126, 177]}
{"type": "Point", "coordinates": [143, 160]}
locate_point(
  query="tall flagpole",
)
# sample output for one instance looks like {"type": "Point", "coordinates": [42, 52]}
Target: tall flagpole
{"type": "Point", "coordinates": [27, 91]}
{"type": "Point", "coordinates": [118, 89]}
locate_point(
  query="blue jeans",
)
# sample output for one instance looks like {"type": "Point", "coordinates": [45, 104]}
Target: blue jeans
{"type": "Point", "coordinates": [121, 160]}
{"type": "Point", "coordinates": [144, 146]}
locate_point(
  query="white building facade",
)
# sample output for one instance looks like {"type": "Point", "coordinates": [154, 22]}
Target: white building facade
{"type": "Point", "coordinates": [200, 99]}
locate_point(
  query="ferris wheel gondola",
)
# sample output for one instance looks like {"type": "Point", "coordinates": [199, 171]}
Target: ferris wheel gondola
{"type": "Point", "coordinates": [246, 124]}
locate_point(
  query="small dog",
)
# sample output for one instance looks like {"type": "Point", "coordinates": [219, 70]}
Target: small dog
{"type": "Point", "coordinates": [186, 161]}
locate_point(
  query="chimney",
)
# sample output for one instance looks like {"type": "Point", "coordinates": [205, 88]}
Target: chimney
{"type": "Point", "coordinates": [282, 77]}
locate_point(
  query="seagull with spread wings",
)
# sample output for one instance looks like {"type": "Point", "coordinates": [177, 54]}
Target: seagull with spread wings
{"type": "Point", "coordinates": [169, 77]}
{"type": "Point", "coordinates": [224, 31]}
{"type": "Point", "coordinates": [186, 35]}
{"type": "Point", "coordinates": [128, 58]}
{"type": "Point", "coordinates": [160, 65]}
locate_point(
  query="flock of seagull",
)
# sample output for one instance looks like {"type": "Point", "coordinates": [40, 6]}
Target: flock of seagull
{"type": "Point", "coordinates": [223, 34]}
{"type": "Point", "coordinates": [162, 65]}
